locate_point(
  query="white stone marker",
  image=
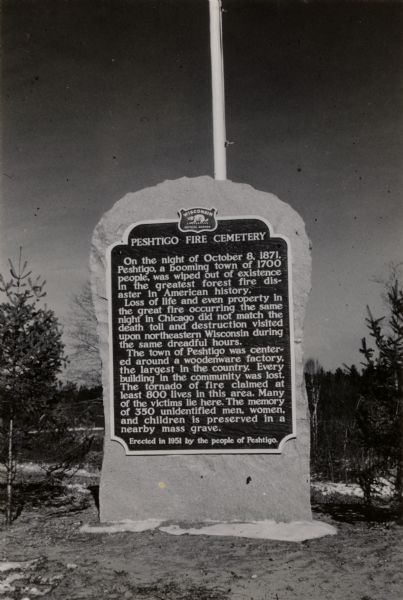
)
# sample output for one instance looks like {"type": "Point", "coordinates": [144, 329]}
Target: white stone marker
{"type": "Point", "coordinates": [200, 288]}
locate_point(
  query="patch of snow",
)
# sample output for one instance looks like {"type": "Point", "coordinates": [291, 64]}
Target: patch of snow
{"type": "Point", "coordinates": [78, 487]}
{"type": "Point", "coordinates": [382, 487]}
{"type": "Point", "coordinates": [35, 592]}
{"type": "Point", "coordinates": [295, 531]}
{"type": "Point", "coordinates": [85, 473]}
{"type": "Point", "coordinates": [31, 467]}
{"type": "Point", "coordinates": [16, 566]}
{"type": "Point", "coordinates": [121, 526]}
{"type": "Point", "coordinates": [330, 487]}
{"type": "Point", "coordinates": [5, 585]}
{"type": "Point", "coordinates": [10, 566]}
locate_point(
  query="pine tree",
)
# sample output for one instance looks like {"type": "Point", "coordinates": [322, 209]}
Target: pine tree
{"type": "Point", "coordinates": [31, 357]}
{"type": "Point", "coordinates": [380, 414]}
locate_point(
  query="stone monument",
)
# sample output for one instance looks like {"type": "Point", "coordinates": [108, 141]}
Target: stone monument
{"type": "Point", "coordinates": [200, 289]}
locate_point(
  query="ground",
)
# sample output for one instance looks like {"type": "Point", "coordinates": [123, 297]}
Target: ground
{"type": "Point", "coordinates": [45, 554]}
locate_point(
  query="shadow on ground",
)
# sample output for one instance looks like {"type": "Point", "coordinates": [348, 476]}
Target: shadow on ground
{"type": "Point", "coordinates": [356, 512]}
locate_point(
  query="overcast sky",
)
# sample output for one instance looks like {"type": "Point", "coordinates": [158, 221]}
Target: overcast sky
{"type": "Point", "coordinates": [101, 98]}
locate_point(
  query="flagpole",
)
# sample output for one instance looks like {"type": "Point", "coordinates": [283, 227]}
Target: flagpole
{"type": "Point", "coordinates": [217, 86]}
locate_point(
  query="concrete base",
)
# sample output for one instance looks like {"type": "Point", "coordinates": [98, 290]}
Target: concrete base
{"type": "Point", "coordinates": [292, 531]}
{"type": "Point", "coordinates": [204, 488]}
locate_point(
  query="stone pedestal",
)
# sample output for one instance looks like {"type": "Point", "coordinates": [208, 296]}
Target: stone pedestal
{"type": "Point", "coordinates": [205, 487]}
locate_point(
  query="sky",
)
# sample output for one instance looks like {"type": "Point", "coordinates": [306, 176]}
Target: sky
{"type": "Point", "coordinates": [101, 98]}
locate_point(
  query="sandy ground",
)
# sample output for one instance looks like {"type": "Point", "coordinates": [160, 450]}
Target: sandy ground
{"type": "Point", "coordinates": [362, 562]}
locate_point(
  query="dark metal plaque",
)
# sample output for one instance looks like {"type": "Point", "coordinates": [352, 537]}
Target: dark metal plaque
{"type": "Point", "coordinates": [201, 337]}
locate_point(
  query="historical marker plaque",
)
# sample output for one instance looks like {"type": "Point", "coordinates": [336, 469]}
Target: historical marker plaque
{"type": "Point", "coordinates": [201, 336]}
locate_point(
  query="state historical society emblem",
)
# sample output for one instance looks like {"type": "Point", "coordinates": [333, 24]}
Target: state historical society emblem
{"type": "Point", "coordinates": [197, 219]}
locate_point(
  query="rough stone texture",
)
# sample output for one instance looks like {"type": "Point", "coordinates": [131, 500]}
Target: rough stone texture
{"type": "Point", "coordinates": [196, 488]}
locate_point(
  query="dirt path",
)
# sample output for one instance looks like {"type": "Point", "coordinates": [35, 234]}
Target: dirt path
{"type": "Point", "coordinates": [363, 562]}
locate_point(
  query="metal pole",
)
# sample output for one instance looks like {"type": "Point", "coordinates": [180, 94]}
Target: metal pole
{"type": "Point", "coordinates": [217, 86]}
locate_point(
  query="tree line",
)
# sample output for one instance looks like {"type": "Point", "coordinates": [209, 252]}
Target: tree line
{"type": "Point", "coordinates": [356, 416]}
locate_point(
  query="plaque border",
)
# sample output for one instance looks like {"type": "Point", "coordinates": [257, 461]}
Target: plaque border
{"type": "Point", "coordinates": [180, 452]}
